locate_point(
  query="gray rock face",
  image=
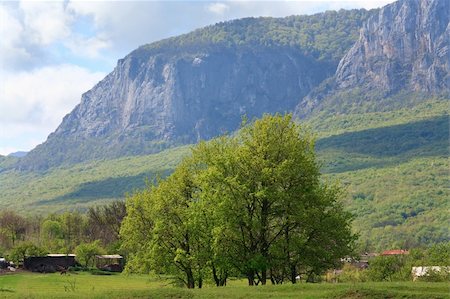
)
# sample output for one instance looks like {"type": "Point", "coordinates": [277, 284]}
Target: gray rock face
{"type": "Point", "coordinates": [406, 45]}
{"type": "Point", "coordinates": [153, 100]}
{"type": "Point", "coordinates": [402, 54]}
{"type": "Point", "coordinates": [193, 96]}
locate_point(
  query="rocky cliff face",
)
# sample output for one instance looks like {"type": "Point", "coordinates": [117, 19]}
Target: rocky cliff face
{"type": "Point", "coordinates": [193, 95]}
{"type": "Point", "coordinates": [405, 48]}
{"type": "Point", "coordinates": [406, 45]}
{"type": "Point", "coordinates": [152, 101]}
{"type": "Point", "coordinates": [200, 85]}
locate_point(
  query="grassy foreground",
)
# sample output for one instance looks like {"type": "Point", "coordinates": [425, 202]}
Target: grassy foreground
{"type": "Point", "coordinates": [83, 285]}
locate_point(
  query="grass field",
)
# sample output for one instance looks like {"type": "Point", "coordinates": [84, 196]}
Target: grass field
{"type": "Point", "coordinates": [84, 285]}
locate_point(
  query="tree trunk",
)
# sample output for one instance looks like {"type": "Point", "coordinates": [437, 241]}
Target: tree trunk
{"type": "Point", "coordinates": [263, 276]}
{"type": "Point", "coordinates": [251, 278]}
{"type": "Point", "coordinates": [190, 279]}
{"type": "Point", "coordinates": [310, 277]}
{"type": "Point", "coordinates": [216, 279]}
{"type": "Point", "coordinates": [200, 282]}
{"type": "Point", "coordinates": [220, 281]}
{"type": "Point", "coordinates": [271, 276]}
{"type": "Point", "coordinates": [293, 274]}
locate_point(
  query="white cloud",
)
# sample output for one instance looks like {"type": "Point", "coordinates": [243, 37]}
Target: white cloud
{"type": "Point", "coordinates": [46, 21]}
{"type": "Point", "coordinates": [88, 47]}
{"type": "Point", "coordinates": [52, 91]}
{"type": "Point", "coordinates": [218, 8]}
{"type": "Point", "coordinates": [34, 103]}
{"type": "Point", "coordinates": [12, 52]}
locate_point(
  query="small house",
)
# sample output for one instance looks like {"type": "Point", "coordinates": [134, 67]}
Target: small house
{"type": "Point", "coordinates": [395, 252]}
{"type": "Point", "coordinates": [417, 272]}
{"type": "Point", "coordinates": [109, 262]}
{"type": "Point", "coordinates": [49, 263]}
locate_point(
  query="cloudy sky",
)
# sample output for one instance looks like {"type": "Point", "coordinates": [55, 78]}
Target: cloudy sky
{"type": "Point", "coordinates": [52, 52]}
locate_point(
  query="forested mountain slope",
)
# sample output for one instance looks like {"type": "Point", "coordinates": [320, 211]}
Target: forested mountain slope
{"type": "Point", "coordinates": [394, 166]}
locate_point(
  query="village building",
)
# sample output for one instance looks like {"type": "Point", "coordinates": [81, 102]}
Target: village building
{"type": "Point", "coordinates": [109, 262]}
{"type": "Point", "coordinates": [395, 252]}
{"type": "Point", "coordinates": [417, 272]}
{"type": "Point", "coordinates": [49, 263]}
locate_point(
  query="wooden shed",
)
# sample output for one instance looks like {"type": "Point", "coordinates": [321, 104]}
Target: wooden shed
{"type": "Point", "coordinates": [109, 262]}
{"type": "Point", "coordinates": [50, 263]}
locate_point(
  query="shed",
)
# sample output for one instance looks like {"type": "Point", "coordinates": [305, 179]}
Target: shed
{"type": "Point", "coordinates": [49, 263]}
{"type": "Point", "coordinates": [109, 262]}
{"type": "Point", "coordinates": [3, 263]}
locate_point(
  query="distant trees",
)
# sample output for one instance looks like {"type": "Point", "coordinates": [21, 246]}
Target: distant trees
{"type": "Point", "coordinates": [103, 222]}
{"type": "Point", "coordinates": [86, 252]}
{"type": "Point", "coordinates": [12, 227]}
{"type": "Point", "coordinates": [252, 204]}
{"type": "Point", "coordinates": [61, 233]}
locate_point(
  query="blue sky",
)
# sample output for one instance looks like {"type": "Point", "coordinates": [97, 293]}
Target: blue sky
{"type": "Point", "coordinates": [52, 52]}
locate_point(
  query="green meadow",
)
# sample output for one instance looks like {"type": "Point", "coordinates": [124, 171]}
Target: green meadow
{"type": "Point", "coordinates": [85, 285]}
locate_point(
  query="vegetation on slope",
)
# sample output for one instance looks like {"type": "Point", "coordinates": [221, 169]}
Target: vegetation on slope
{"type": "Point", "coordinates": [325, 35]}
{"type": "Point", "coordinates": [397, 186]}
{"type": "Point", "coordinates": [83, 184]}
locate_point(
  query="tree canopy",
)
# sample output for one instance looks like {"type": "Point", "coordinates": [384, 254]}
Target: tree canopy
{"type": "Point", "coordinates": [251, 204]}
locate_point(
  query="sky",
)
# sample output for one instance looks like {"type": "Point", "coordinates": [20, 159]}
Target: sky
{"type": "Point", "coordinates": [52, 52]}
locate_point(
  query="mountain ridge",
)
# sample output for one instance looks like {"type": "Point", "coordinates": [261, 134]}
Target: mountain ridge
{"type": "Point", "coordinates": [199, 85]}
{"type": "Point", "coordinates": [162, 94]}
{"type": "Point", "coordinates": [402, 54]}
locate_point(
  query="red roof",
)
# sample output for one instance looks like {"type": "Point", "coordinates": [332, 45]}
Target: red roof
{"type": "Point", "coordinates": [395, 252]}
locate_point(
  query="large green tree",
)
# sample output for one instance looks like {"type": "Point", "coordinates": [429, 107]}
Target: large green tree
{"type": "Point", "coordinates": [274, 212]}
{"type": "Point", "coordinates": [161, 225]}
{"type": "Point", "coordinates": [253, 203]}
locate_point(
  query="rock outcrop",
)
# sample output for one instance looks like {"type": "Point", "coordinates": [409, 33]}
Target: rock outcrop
{"type": "Point", "coordinates": [406, 45]}
{"type": "Point", "coordinates": [404, 48]}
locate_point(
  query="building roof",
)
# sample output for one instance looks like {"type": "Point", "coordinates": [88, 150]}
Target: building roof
{"type": "Point", "coordinates": [395, 252]}
{"type": "Point", "coordinates": [60, 255]}
{"type": "Point", "coordinates": [109, 256]}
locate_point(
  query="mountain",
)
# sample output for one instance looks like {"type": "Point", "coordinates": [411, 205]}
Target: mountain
{"type": "Point", "coordinates": [199, 85]}
{"type": "Point", "coordinates": [19, 154]}
{"type": "Point", "coordinates": [401, 57]}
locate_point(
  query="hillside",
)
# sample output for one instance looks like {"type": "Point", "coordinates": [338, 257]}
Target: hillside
{"type": "Point", "coordinates": [394, 166]}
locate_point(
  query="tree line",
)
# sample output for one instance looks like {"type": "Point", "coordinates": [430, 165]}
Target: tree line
{"type": "Point", "coordinates": [69, 232]}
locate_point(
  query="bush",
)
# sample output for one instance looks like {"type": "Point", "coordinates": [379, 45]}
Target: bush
{"type": "Point", "coordinates": [86, 252]}
{"type": "Point", "coordinates": [389, 268]}
{"type": "Point", "coordinates": [436, 276]}
{"type": "Point", "coordinates": [21, 251]}
{"type": "Point", "coordinates": [353, 274]}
